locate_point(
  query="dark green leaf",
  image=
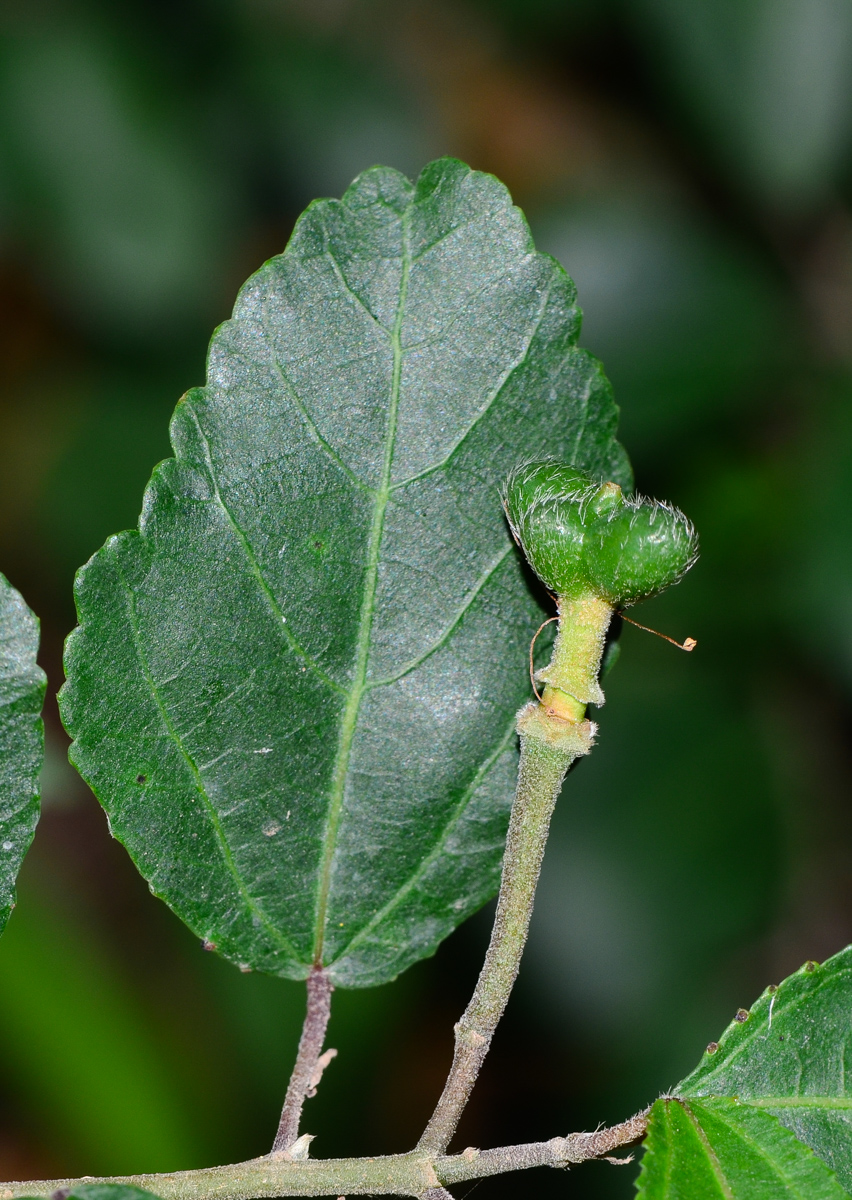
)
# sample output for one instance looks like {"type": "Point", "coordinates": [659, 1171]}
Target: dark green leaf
{"type": "Point", "coordinates": [294, 688]}
{"type": "Point", "coordinates": [22, 686]}
{"type": "Point", "coordinates": [717, 1149]}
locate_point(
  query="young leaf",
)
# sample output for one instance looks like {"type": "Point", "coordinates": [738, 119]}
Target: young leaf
{"type": "Point", "coordinates": [778, 1070]}
{"type": "Point", "coordinates": [293, 689]}
{"type": "Point", "coordinates": [717, 1149]}
{"type": "Point", "coordinates": [22, 686]}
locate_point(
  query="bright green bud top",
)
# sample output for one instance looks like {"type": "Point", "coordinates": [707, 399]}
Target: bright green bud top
{"type": "Point", "coordinates": [582, 537]}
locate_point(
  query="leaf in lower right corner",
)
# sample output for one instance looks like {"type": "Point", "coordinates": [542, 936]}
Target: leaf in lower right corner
{"type": "Point", "coordinates": [718, 1149]}
{"type": "Point", "coordinates": [788, 1056]}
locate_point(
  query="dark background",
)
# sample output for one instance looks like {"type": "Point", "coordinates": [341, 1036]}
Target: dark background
{"type": "Point", "coordinates": [690, 163]}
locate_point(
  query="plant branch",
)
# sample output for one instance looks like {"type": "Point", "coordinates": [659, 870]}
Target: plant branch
{"type": "Point", "coordinates": [548, 747]}
{"type": "Point", "coordinates": [309, 1060]}
{"type": "Point", "coordinates": [413, 1174]}
{"type": "Point", "coordinates": [553, 734]}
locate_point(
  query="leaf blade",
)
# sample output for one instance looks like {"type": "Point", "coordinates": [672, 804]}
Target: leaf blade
{"type": "Point", "coordinates": [717, 1149]}
{"type": "Point", "coordinates": [331, 623]}
{"type": "Point", "coordinates": [22, 687]}
{"type": "Point", "coordinates": [789, 1058]}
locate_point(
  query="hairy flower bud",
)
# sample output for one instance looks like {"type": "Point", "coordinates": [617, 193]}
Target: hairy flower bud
{"type": "Point", "coordinates": [581, 536]}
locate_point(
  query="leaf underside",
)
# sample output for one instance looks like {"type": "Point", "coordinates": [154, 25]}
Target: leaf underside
{"type": "Point", "coordinates": [776, 1089]}
{"type": "Point", "coordinates": [293, 689]}
{"type": "Point", "coordinates": [22, 686]}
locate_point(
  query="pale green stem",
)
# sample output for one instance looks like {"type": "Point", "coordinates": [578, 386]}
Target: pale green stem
{"type": "Point", "coordinates": [544, 763]}
{"type": "Point", "coordinates": [572, 674]}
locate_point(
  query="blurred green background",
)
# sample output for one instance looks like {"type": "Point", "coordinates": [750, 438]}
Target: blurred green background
{"type": "Point", "coordinates": [690, 163]}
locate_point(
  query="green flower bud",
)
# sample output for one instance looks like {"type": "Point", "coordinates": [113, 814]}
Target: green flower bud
{"type": "Point", "coordinates": [584, 537]}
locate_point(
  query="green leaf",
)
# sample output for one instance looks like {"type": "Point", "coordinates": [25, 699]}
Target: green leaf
{"type": "Point", "coordinates": [294, 688]}
{"type": "Point", "coordinates": [717, 1149]}
{"type": "Point", "coordinates": [22, 686]}
{"type": "Point", "coordinates": [778, 1070]}
{"type": "Point", "coordinates": [789, 1057]}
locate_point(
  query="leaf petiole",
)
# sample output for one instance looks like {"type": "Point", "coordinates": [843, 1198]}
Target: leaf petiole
{"type": "Point", "coordinates": [308, 1066]}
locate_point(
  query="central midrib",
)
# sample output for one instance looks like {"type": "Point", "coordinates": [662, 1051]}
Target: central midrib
{"type": "Point", "coordinates": [365, 624]}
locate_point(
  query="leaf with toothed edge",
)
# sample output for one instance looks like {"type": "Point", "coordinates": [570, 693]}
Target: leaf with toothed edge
{"type": "Point", "coordinates": [294, 688]}
{"type": "Point", "coordinates": [776, 1086]}
{"type": "Point", "coordinates": [22, 685]}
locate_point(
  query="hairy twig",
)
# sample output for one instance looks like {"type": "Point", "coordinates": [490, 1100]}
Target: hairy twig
{"type": "Point", "coordinates": [540, 777]}
{"type": "Point", "coordinates": [553, 734]}
{"type": "Point", "coordinates": [414, 1174]}
{"type": "Point", "coordinates": [310, 1062]}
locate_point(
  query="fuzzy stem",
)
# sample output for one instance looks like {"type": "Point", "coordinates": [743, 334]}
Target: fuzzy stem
{"type": "Point", "coordinates": [548, 747]}
{"type": "Point", "coordinates": [553, 734]}
{"type": "Point", "coordinates": [572, 674]}
{"type": "Point", "coordinates": [413, 1174]}
{"type": "Point", "coordinates": [303, 1079]}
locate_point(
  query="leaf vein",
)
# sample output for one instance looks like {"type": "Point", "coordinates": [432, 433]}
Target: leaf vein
{"type": "Point", "coordinates": [715, 1165]}
{"type": "Point", "coordinates": [840, 1103]}
{"type": "Point", "coordinates": [437, 849]}
{"type": "Point", "coordinates": [444, 637]}
{"type": "Point", "coordinates": [254, 567]}
{"type": "Point", "coordinates": [362, 652]}
{"type": "Point", "coordinates": [309, 422]}
{"type": "Point", "coordinates": [493, 395]}
{"type": "Point", "coordinates": [777, 1168]}
{"type": "Point", "coordinates": [350, 291]}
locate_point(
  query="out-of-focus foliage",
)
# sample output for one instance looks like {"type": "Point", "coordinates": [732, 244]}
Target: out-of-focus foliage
{"type": "Point", "coordinates": [768, 82]}
{"type": "Point", "coordinates": [690, 166]}
{"type": "Point", "coordinates": [685, 316]}
{"type": "Point", "coordinates": [111, 187]}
